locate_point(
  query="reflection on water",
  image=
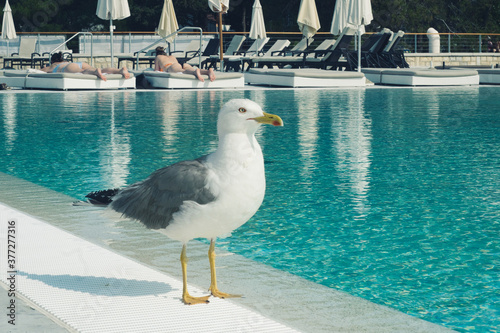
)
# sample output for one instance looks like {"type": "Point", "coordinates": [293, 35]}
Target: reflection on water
{"type": "Point", "coordinates": [9, 112]}
{"type": "Point", "coordinates": [115, 155]}
{"type": "Point", "coordinates": [307, 130]}
{"type": "Point", "coordinates": [388, 194]}
{"type": "Point", "coordinates": [170, 116]}
{"type": "Point", "coordinates": [351, 143]}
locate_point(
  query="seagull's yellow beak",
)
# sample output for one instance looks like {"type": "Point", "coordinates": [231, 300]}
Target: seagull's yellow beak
{"type": "Point", "coordinates": [270, 119]}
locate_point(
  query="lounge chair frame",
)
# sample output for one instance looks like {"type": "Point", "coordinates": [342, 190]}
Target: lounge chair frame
{"type": "Point", "coordinates": [277, 58]}
{"type": "Point", "coordinates": [391, 57]}
{"type": "Point", "coordinates": [369, 51]}
{"type": "Point", "coordinates": [23, 57]}
{"type": "Point", "coordinates": [211, 49]}
{"type": "Point", "coordinates": [277, 47]}
{"type": "Point", "coordinates": [235, 62]}
{"type": "Point", "coordinates": [332, 57]}
{"type": "Point", "coordinates": [192, 50]}
{"type": "Point", "coordinates": [233, 47]}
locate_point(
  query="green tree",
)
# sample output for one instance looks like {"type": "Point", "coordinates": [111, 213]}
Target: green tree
{"type": "Point", "coordinates": [280, 15]}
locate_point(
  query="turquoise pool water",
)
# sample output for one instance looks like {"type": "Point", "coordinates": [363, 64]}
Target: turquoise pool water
{"type": "Point", "coordinates": [389, 194]}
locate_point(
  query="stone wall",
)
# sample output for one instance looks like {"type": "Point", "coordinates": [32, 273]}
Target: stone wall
{"type": "Point", "coordinates": [452, 59]}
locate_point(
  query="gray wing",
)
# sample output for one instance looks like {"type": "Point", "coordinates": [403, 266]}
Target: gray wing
{"type": "Point", "coordinates": [154, 200]}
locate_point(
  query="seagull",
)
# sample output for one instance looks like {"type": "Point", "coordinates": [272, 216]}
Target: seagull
{"type": "Point", "coordinates": [203, 198]}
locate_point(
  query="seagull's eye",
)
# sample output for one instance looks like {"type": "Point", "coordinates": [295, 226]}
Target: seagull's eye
{"type": "Point", "coordinates": [242, 110]}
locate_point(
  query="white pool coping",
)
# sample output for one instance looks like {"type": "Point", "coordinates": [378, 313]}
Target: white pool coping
{"type": "Point", "coordinates": [91, 289]}
{"type": "Point", "coordinates": [88, 286]}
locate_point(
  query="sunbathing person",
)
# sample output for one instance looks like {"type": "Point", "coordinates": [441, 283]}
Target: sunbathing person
{"type": "Point", "coordinates": [166, 63]}
{"type": "Point", "coordinates": [491, 45]}
{"type": "Point", "coordinates": [59, 65]}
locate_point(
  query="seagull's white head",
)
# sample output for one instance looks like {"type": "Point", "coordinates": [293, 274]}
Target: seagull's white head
{"type": "Point", "coordinates": [244, 116]}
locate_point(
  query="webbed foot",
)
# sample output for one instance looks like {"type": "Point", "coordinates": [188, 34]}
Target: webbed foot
{"type": "Point", "coordinates": [216, 293]}
{"type": "Point", "coordinates": [191, 300]}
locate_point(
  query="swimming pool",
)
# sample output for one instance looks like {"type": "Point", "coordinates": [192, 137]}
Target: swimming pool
{"type": "Point", "coordinates": [389, 194]}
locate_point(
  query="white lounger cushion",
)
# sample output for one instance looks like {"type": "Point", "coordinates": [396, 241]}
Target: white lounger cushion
{"type": "Point", "coordinates": [304, 77]}
{"type": "Point", "coordinates": [64, 81]}
{"type": "Point", "coordinates": [489, 76]}
{"type": "Point", "coordinates": [13, 78]}
{"type": "Point", "coordinates": [421, 77]}
{"type": "Point", "coordinates": [179, 80]}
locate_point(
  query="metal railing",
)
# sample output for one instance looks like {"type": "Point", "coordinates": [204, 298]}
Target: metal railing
{"type": "Point", "coordinates": [77, 34]}
{"type": "Point", "coordinates": [411, 42]}
{"type": "Point", "coordinates": [449, 42]}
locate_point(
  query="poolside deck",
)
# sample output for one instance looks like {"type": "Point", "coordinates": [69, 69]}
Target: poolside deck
{"type": "Point", "coordinates": [91, 289]}
{"type": "Point", "coordinates": [100, 285]}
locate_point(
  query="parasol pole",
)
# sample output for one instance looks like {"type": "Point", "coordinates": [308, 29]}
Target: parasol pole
{"type": "Point", "coordinates": [359, 49]}
{"type": "Point", "coordinates": [221, 49]}
{"type": "Point", "coordinates": [111, 41]}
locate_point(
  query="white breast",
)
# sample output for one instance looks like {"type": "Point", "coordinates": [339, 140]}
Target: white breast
{"type": "Point", "coordinates": [237, 179]}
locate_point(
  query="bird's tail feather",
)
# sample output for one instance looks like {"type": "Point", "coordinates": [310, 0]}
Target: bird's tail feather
{"type": "Point", "coordinates": [103, 197]}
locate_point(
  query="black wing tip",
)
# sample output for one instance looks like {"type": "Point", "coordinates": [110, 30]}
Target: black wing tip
{"type": "Point", "coordinates": [103, 197]}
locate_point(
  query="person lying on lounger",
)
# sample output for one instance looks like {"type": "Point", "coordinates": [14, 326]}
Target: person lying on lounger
{"type": "Point", "coordinates": [169, 63]}
{"type": "Point", "coordinates": [59, 65]}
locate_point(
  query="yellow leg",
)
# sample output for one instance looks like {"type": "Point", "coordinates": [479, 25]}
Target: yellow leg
{"type": "Point", "coordinates": [213, 285]}
{"type": "Point", "coordinates": [186, 298]}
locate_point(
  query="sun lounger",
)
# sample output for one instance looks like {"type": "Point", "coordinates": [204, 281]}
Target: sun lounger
{"type": "Point", "coordinates": [211, 49]}
{"type": "Point", "coordinates": [304, 78]}
{"type": "Point", "coordinates": [370, 50]}
{"type": "Point", "coordinates": [180, 80]}
{"type": "Point", "coordinates": [298, 48]}
{"type": "Point", "coordinates": [421, 77]}
{"type": "Point", "coordinates": [277, 47]}
{"type": "Point", "coordinates": [14, 78]}
{"type": "Point", "coordinates": [300, 57]}
{"type": "Point", "coordinates": [234, 61]}
{"type": "Point", "coordinates": [275, 58]}
{"type": "Point", "coordinates": [147, 59]}
{"type": "Point", "coordinates": [374, 53]}
{"type": "Point", "coordinates": [254, 49]}
{"type": "Point", "coordinates": [235, 45]}
{"type": "Point", "coordinates": [23, 56]}
{"type": "Point", "coordinates": [391, 57]}
{"type": "Point", "coordinates": [239, 63]}
{"type": "Point", "coordinates": [191, 51]}
{"type": "Point", "coordinates": [34, 79]}
{"type": "Point", "coordinates": [232, 49]}
{"type": "Point", "coordinates": [332, 57]}
{"type": "Point", "coordinates": [320, 49]}
{"type": "Point", "coordinates": [489, 76]}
